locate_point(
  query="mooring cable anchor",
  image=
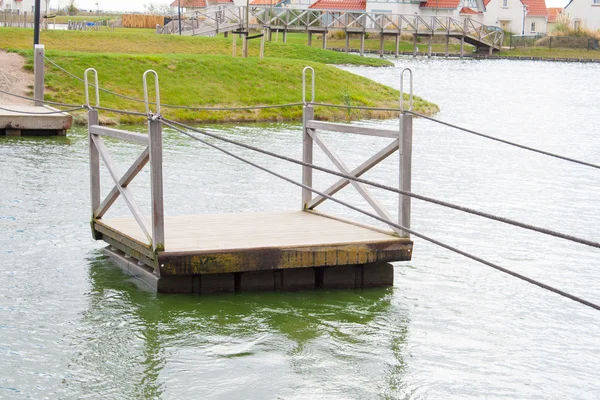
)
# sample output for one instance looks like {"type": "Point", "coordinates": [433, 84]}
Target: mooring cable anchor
{"type": "Point", "coordinates": [304, 85]}
{"type": "Point", "coordinates": [87, 94]}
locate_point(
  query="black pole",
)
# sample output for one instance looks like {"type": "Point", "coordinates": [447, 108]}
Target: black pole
{"type": "Point", "coordinates": [36, 23]}
{"type": "Point", "coordinates": [178, 12]}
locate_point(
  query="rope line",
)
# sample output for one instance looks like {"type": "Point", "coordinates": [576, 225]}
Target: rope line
{"type": "Point", "coordinates": [173, 105]}
{"type": "Point", "coordinates": [497, 218]}
{"type": "Point", "coordinates": [398, 226]}
{"type": "Point", "coordinates": [39, 101]}
{"type": "Point", "coordinates": [357, 107]}
{"type": "Point", "coordinates": [546, 153]}
{"type": "Point", "coordinates": [41, 113]}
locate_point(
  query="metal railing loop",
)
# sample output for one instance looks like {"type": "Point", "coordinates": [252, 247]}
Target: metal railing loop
{"type": "Point", "coordinates": [157, 90]}
{"type": "Point", "coordinates": [304, 84]}
{"type": "Point", "coordinates": [87, 94]}
{"type": "Point", "coordinates": [410, 95]}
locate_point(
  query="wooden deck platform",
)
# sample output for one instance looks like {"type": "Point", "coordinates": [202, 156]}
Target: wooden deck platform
{"type": "Point", "coordinates": [221, 244]}
{"type": "Point", "coordinates": [28, 120]}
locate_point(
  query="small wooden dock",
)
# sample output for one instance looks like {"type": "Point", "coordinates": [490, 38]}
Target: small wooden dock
{"type": "Point", "coordinates": [25, 120]}
{"type": "Point", "coordinates": [35, 119]}
{"type": "Point", "coordinates": [284, 250]}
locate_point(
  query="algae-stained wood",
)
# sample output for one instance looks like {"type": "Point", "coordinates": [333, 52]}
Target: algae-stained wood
{"type": "Point", "coordinates": [217, 243]}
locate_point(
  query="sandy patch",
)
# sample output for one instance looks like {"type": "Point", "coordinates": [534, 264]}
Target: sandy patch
{"type": "Point", "coordinates": [14, 79]}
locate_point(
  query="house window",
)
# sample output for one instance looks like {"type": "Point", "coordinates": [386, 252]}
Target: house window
{"type": "Point", "coordinates": [533, 27]}
{"type": "Point", "coordinates": [596, 2]}
{"type": "Point", "coordinates": [505, 3]}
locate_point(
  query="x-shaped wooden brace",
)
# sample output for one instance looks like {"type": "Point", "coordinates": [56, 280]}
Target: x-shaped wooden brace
{"type": "Point", "coordinates": [121, 184]}
{"type": "Point", "coordinates": [357, 172]}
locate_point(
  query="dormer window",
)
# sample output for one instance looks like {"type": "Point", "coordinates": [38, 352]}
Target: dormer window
{"type": "Point", "coordinates": [505, 3]}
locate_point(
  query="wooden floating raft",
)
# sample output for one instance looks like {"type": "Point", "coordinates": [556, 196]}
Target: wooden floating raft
{"type": "Point", "coordinates": [29, 120]}
{"type": "Point", "coordinates": [251, 251]}
{"type": "Point", "coordinates": [256, 251]}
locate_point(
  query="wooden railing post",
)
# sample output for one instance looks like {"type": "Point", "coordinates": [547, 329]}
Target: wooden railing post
{"type": "Point", "coordinates": [406, 126]}
{"type": "Point", "coordinates": [38, 71]}
{"type": "Point", "coordinates": [307, 155]}
{"type": "Point", "coordinates": [156, 185]}
{"type": "Point", "coordinates": [94, 170]}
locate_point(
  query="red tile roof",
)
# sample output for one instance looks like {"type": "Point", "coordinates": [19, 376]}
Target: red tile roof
{"type": "Point", "coordinates": [440, 4]}
{"type": "Point", "coordinates": [198, 3]}
{"type": "Point", "coordinates": [553, 14]}
{"type": "Point", "coordinates": [264, 2]}
{"type": "Point", "coordinates": [189, 3]}
{"type": "Point", "coordinates": [536, 8]}
{"type": "Point", "coordinates": [486, 2]}
{"type": "Point", "coordinates": [467, 10]}
{"type": "Point", "coordinates": [359, 5]}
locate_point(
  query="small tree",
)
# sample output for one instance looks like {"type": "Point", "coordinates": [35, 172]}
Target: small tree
{"type": "Point", "coordinates": [71, 8]}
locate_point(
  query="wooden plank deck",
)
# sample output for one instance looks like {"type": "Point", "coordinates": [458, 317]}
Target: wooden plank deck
{"type": "Point", "coordinates": [24, 121]}
{"type": "Point", "coordinates": [240, 242]}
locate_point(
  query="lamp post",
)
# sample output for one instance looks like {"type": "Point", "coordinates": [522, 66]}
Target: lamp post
{"type": "Point", "coordinates": [36, 23]}
{"type": "Point", "coordinates": [179, 15]}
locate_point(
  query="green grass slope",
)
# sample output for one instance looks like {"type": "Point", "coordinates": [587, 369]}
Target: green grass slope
{"type": "Point", "coordinates": [219, 81]}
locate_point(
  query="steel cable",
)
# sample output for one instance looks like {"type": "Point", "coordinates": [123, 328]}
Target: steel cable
{"type": "Point", "coordinates": [398, 226]}
{"type": "Point", "coordinates": [396, 190]}
{"type": "Point", "coordinates": [42, 113]}
{"type": "Point", "coordinates": [546, 153]}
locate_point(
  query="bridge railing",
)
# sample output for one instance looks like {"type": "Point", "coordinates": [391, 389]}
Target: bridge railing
{"type": "Point", "coordinates": [376, 22]}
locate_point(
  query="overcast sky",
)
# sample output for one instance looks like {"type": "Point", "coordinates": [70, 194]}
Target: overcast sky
{"type": "Point", "coordinates": [138, 5]}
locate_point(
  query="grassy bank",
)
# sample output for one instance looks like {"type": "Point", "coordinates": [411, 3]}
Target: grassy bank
{"type": "Point", "coordinates": [551, 53]}
{"type": "Point", "coordinates": [219, 81]}
{"type": "Point", "coordinates": [133, 41]}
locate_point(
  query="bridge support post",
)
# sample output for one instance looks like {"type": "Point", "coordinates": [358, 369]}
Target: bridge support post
{"type": "Point", "coordinates": [429, 47]}
{"type": "Point", "coordinates": [226, 34]}
{"type": "Point", "coordinates": [156, 185]}
{"type": "Point", "coordinates": [462, 46]}
{"type": "Point", "coordinates": [325, 40]}
{"type": "Point", "coordinates": [447, 46]}
{"type": "Point", "coordinates": [397, 45]}
{"type": "Point", "coordinates": [234, 45]}
{"type": "Point", "coordinates": [362, 44]}
{"type": "Point", "coordinates": [381, 44]}
{"type": "Point", "coordinates": [285, 36]}
{"type": "Point", "coordinates": [262, 45]}
{"type": "Point", "coordinates": [347, 42]}
{"type": "Point", "coordinates": [415, 48]}
{"type": "Point", "coordinates": [38, 68]}
{"type": "Point", "coordinates": [245, 45]}
{"type": "Point", "coordinates": [404, 202]}
{"type": "Point", "coordinates": [270, 38]}
{"type": "Point", "coordinates": [308, 113]}
{"type": "Point", "coordinates": [491, 50]}
{"type": "Point", "coordinates": [309, 38]}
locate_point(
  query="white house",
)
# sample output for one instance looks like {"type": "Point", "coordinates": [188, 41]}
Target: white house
{"type": "Point", "coordinates": [20, 5]}
{"type": "Point", "coordinates": [584, 13]}
{"type": "Point", "coordinates": [528, 17]}
{"type": "Point", "coordinates": [450, 8]}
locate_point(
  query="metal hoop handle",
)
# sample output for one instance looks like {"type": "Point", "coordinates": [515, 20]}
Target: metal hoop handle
{"type": "Point", "coordinates": [156, 88]}
{"type": "Point", "coordinates": [304, 84]}
{"type": "Point", "coordinates": [410, 96]}
{"type": "Point", "coordinates": [87, 94]}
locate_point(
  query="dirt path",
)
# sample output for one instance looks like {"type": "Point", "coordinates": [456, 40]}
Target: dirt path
{"type": "Point", "coordinates": [13, 78]}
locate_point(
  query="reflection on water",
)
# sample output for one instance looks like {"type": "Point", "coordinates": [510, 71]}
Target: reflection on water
{"type": "Point", "coordinates": [232, 346]}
